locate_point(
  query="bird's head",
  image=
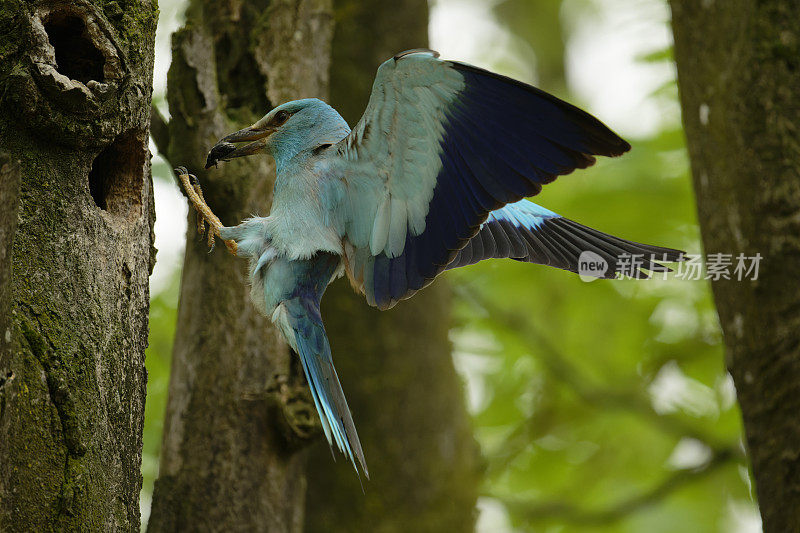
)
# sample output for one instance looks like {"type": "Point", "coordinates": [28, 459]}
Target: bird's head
{"type": "Point", "coordinates": [284, 132]}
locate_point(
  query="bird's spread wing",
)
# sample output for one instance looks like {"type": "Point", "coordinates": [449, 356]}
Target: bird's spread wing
{"type": "Point", "coordinates": [440, 146]}
{"type": "Point", "coordinates": [528, 232]}
{"type": "Point", "coordinates": [301, 324]}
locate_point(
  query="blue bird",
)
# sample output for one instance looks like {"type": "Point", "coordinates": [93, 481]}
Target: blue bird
{"type": "Point", "coordinates": [434, 176]}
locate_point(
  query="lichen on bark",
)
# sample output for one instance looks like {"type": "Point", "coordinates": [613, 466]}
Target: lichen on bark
{"type": "Point", "coordinates": [74, 109]}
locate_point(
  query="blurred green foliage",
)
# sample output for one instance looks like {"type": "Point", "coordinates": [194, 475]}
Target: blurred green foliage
{"type": "Point", "coordinates": [600, 406]}
{"type": "Point", "coordinates": [606, 405]}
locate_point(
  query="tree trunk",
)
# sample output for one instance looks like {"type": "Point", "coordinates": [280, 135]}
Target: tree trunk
{"type": "Point", "coordinates": [75, 82]}
{"type": "Point", "coordinates": [238, 408]}
{"type": "Point", "coordinates": [739, 72]}
{"type": "Point", "coordinates": [395, 366]}
{"type": "Point", "coordinates": [538, 23]}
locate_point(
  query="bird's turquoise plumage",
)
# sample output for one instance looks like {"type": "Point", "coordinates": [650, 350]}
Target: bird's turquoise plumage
{"type": "Point", "coordinates": [432, 177]}
{"type": "Point", "coordinates": [298, 317]}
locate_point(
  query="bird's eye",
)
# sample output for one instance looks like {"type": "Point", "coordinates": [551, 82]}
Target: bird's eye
{"type": "Point", "coordinates": [281, 116]}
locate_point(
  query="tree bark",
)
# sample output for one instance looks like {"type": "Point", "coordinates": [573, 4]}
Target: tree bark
{"type": "Point", "coordinates": [75, 83]}
{"type": "Point", "coordinates": [395, 366]}
{"type": "Point", "coordinates": [739, 71]}
{"type": "Point", "coordinates": [9, 203]}
{"type": "Point", "coordinates": [239, 409]}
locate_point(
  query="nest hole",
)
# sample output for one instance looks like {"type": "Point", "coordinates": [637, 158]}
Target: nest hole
{"type": "Point", "coordinates": [76, 55]}
{"type": "Point", "coordinates": [117, 175]}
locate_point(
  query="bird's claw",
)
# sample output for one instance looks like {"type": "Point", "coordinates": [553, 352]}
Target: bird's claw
{"type": "Point", "coordinates": [212, 232]}
{"type": "Point", "coordinates": [204, 214]}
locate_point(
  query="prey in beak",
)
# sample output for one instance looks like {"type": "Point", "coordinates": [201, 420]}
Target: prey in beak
{"type": "Point", "coordinates": [257, 134]}
{"type": "Point", "coordinates": [225, 149]}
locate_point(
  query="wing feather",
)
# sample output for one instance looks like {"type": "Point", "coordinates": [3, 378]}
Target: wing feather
{"type": "Point", "coordinates": [440, 146]}
{"type": "Point", "coordinates": [528, 232]}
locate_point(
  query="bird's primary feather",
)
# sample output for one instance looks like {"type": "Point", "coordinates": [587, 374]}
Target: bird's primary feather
{"type": "Point", "coordinates": [528, 232]}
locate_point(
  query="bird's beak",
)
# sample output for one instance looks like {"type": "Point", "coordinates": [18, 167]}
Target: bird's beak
{"type": "Point", "coordinates": [225, 149]}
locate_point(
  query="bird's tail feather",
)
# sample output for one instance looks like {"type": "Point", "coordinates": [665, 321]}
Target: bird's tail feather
{"type": "Point", "coordinates": [301, 323]}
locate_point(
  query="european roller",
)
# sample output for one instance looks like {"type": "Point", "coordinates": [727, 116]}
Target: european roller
{"type": "Point", "coordinates": [434, 176]}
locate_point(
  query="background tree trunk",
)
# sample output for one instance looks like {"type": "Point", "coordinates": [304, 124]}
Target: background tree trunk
{"type": "Point", "coordinates": [75, 83]}
{"type": "Point", "coordinates": [538, 24]}
{"type": "Point", "coordinates": [739, 73]}
{"type": "Point", "coordinates": [395, 366]}
{"type": "Point", "coordinates": [238, 406]}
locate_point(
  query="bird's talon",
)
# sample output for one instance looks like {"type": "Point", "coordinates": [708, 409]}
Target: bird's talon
{"type": "Point", "coordinates": [191, 186]}
{"type": "Point", "coordinates": [196, 185]}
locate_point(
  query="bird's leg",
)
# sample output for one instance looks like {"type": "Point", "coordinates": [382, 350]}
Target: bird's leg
{"type": "Point", "coordinates": [205, 215]}
{"type": "Point", "coordinates": [201, 222]}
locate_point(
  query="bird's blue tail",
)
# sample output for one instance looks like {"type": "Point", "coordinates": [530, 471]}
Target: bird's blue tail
{"type": "Point", "coordinates": [300, 320]}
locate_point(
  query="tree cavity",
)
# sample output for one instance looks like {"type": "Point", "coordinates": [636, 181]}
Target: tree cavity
{"type": "Point", "coordinates": [76, 55]}
{"type": "Point", "coordinates": [116, 177]}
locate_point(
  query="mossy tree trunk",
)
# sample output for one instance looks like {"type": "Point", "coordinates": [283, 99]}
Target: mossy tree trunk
{"type": "Point", "coordinates": [395, 366]}
{"type": "Point", "coordinates": [238, 409]}
{"type": "Point", "coordinates": [76, 219]}
{"type": "Point", "coordinates": [739, 73]}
